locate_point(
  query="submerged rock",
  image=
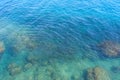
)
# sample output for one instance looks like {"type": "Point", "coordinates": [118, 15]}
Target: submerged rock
{"type": "Point", "coordinates": [27, 66]}
{"type": "Point", "coordinates": [2, 47]}
{"type": "Point", "coordinates": [22, 42]}
{"type": "Point", "coordinates": [110, 49]}
{"type": "Point", "coordinates": [32, 58]}
{"type": "Point", "coordinates": [97, 73]}
{"type": "Point", "coordinates": [14, 69]}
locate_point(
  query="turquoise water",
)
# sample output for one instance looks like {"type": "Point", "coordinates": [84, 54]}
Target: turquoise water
{"type": "Point", "coordinates": [59, 40]}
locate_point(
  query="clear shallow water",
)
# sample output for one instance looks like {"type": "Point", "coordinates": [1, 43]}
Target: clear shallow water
{"type": "Point", "coordinates": [58, 40]}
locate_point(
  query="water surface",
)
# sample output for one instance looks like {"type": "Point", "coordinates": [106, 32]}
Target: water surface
{"type": "Point", "coordinates": [59, 39]}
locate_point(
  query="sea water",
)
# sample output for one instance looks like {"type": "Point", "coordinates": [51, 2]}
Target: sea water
{"type": "Point", "coordinates": [58, 39]}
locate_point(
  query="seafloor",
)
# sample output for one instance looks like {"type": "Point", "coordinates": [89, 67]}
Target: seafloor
{"type": "Point", "coordinates": [59, 39]}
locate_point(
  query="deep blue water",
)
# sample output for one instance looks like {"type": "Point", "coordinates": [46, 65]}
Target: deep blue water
{"type": "Point", "coordinates": [59, 39]}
